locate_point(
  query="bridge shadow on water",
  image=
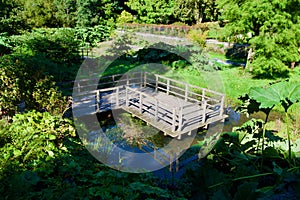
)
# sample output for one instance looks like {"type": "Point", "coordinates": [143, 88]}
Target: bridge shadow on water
{"type": "Point", "coordinates": [133, 135]}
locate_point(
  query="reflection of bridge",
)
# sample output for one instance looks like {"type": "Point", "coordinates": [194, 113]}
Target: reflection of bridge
{"type": "Point", "coordinates": [171, 106]}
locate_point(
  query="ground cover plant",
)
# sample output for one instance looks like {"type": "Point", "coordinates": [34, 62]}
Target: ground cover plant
{"type": "Point", "coordinates": [41, 155]}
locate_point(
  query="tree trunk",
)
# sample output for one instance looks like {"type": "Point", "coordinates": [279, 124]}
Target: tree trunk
{"type": "Point", "coordinates": [249, 60]}
{"type": "Point", "coordinates": [293, 65]}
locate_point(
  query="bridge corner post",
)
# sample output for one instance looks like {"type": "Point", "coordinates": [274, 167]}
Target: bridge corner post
{"type": "Point", "coordinates": [203, 95]}
{"type": "Point", "coordinates": [204, 111]}
{"type": "Point", "coordinates": [222, 105]}
{"type": "Point", "coordinates": [127, 80]}
{"type": "Point", "coordinates": [171, 161]}
{"type": "Point", "coordinates": [179, 136]}
{"type": "Point", "coordinates": [180, 120]}
{"type": "Point", "coordinates": [186, 92]}
{"type": "Point", "coordinates": [174, 119]}
{"type": "Point", "coordinates": [177, 161]}
{"type": "Point", "coordinates": [145, 78]}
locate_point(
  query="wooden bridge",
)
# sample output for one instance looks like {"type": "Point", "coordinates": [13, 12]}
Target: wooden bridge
{"type": "Point", "coordinates": [172, 106]}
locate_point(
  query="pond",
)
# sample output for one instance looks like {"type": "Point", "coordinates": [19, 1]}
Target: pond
{"type": "Point", "coordinates": [130, 134]}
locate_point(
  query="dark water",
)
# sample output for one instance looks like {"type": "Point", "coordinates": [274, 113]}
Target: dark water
{"type": "Point", "coordinates": [132, 134]}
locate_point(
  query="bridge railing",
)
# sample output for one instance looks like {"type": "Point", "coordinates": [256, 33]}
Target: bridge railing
{"type": "Point", "coordinates": [190, 93]}
{"type": "Point", "coordinates": [158, 109]}
{"type": "Point", "coordinates": [169, 30]}
{"type": "Point", "coordinates": [133, 78]}
{"type": "Point", "coordinates": [211, 102]}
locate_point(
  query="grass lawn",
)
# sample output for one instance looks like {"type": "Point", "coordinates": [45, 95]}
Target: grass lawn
{"type": "Point", "coordinates": [231, 81]}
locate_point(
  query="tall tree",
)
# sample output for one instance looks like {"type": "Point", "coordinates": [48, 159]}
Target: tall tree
{"type": "Point", "coordinates": [10, 19]}
{"type": "Point", "coordinates": [65, 12]}
{"type": "Point", "coordinates": [153, 11]}
{"type": "Point", "coordinates": [39, 13]}
{"type": "Point", "coordinates": [196, 11]}
{"type": "Point", "coordinates": [272, 29]}
{"type": "Point", "coordinates": [94, 12]}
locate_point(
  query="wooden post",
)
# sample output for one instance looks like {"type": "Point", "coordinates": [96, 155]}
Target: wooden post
{"type": "Point", "coordinates": [204, 111]}
{"type": "Point", "coordinates": [126, 98]}
{"type": "Point", "coordinates": [156, 109]}
{"type": "Point", "coordinates": [117, 97]}
{"type": "Point", "coordinates": [145, 79]}
{"type": "Point", "coordinates": [113, 80]}
{"type": "Point", "coordinates": [127, 80]}
{"type": "Point", "coordinates": [180, 120]}
{"type": "Point", "coordinates": [222, 105]}
{"type": "Point", "coordinates": [203, 95]}
{"type": "Point", "coordinates": [174, 120]}
{"type": "Point", "coordinates": [156, 83]}
{"type": "Point", "coordinates": [186, 92]}
{"type": "Point", "coordinates": [141, 103]}
{"type": "Point", "coordinates": [171, 158]}
{"type": "Point", "coordinates": [177, 161]}
{"type": "Point", "coordinates": [78, 87]}
{"type": "Point", "coordinates": [179, 136]}
{"type": "Point", "coordinates": [142, 80]}
{"type": "Point", "coordinates": [98, 101]}
{"type": "Point", "coordinates": [168, 85]}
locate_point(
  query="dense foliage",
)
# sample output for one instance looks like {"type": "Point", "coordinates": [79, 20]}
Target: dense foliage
{"type": "Point", "coordinates": [19, 15]}
{"type": "Point", "coordinates": [41, 157]}
{"type": "Point", "coordinates": [272, 29]}
{"type": "Point", "coordinates": [170, 11]}
{"type": "Point", "coordinates": [196, 11]}
{"type": "Point", "coordinates": [24, 86]}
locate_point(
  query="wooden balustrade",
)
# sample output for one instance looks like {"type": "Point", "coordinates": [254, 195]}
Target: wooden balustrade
{"type": "Point", "coordinates": [141, 93]}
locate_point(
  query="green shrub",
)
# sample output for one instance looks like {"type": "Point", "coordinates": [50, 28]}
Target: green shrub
{"type": "Point", "coordinates": [197, 36]}
{"type": "Point", "coordinates": [179, 64]}
{"type": "Point", "coordinates": [125, 17]}
{"type": "Point", "coordinates": [90, 36]}
{"type": "Point", "coordinates": [269, 68]}
{"type": "Point", "coordinates": [22, 81]}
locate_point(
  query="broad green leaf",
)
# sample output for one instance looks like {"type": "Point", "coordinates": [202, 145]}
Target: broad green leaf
{"type": "Point", "coordinates": [284, 93]}
{"type": "Point", "coordinates": [51, 154]}
{"type": "Point", "coordinates": [294, 91]}
{"type": "Point", "coordinates": [267, 97]}
{"type": "Point", "coordinates": [52, 137]}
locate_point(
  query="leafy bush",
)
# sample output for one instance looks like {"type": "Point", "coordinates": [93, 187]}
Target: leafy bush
{"type": "Point", "coordinates": [199, 37]}
{"type": "Point", "coordinates": [200, 61]}
{"type": "Point", "coordinates": [90, 36]}
{"type": "Point", "coordinates": [237, 165]}
{"type": "Point", "coordinates": [59, 45]}
{"type": "Point", "coordinates": [125, 17]}
{"type": "Point", "coordinates": [23, 82]}
{"type": "Point", "coordinates": [269, 68]}
{"type": "Point", "coordinates": [179, 64]}
{"type": "Point", "coordinates": [5, 44]}
{"type": "Point", "coordinates": [41, 158]}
